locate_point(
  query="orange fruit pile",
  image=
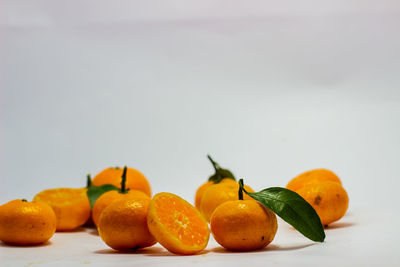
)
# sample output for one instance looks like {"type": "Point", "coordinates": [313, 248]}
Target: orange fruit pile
{"type": "Point", "coordinates": [128, 218]}
{"type": "Point", "coordinates": [323, 190]}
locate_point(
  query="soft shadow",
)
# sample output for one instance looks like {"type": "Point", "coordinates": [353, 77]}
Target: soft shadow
{"type": "Point", "coordinates": [77, 230]}
{"type": "Point", "coordinates": [130, 251]}
{"type": "Point", "coordinates": [93, 232]}
{"type": "Point", "coordinates": [338, 225]}
{"type": "Point", "coordinates": [267, 248]}
{"type": "Point", "coordinates": [5, 244]}
{"type": "Point", "coordinates": [151, 251]}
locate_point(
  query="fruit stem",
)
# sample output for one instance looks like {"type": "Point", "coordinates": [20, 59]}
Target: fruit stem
{"type": "Point", "coordinates": [24, 200]}
{"type": "Point", "coordinates": [123, 181]}
{"type": "Point", "coordinates": [215, 165]}
{"type": "Point", "coordinates": [88, 181]}
{"type": "Point", "coordinates": [241, 189]}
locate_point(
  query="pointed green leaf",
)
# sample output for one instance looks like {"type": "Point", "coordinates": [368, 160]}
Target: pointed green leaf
{"type": "Point", "coordinates": [293, 209]}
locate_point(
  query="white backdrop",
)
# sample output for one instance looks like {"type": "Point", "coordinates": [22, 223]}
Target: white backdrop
{"type": "Point", "coordinates": [270, 89]}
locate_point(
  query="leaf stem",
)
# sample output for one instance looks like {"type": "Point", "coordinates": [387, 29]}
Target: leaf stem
{"type": "Point", "coordinates": [123, 181]}
{"type": "Point", "coordinates": [215, 164]}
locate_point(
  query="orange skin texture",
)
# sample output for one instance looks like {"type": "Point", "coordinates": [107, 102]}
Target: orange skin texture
{"type": "Point", "coordinates": [217, 194]}
{"type": "Point", "coordinates": [123, 223]}
{"type": "Point", "coordinates": [107, 198]}
{"type": "Point", "coordinates": [243, 225]}
{"type": "Point", "coordinates": [177, 225]}
{"type": "Point", "coordinates": [329, 199]}
{"type": "Point", "coordinates": [71, 206]}
{"type": "Point", "coordinates": [26, 223]}
{"type": "Point", "coordinates": [134, 179]}
{"type": "Point", "coordinates": [200, 191]}
{"type": "Point", "coordinates": [319, 175]}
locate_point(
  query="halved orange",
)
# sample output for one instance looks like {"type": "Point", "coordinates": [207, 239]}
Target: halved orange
{"type": "Point", "coordinates": [177, 225]}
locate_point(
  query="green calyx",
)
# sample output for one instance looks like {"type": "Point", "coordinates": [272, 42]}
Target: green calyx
{"type": "Point", "coordinates": [220, 173]}
{"type": "Point", "coordinates": [24, 200]}
{"type": "Point", "coordinates": [292, 208]}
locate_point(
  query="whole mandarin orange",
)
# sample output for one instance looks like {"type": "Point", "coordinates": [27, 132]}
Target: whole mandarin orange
{"type": "Point", "coordinates": [71, 206]}
{"type": "Point", "coordinates": [243, 225]}
{"type": "Point", "coordinates": [311, 176]}
{"type": "Point", "coordinates": [123, 224]}
{"type": "Point", "coordinates": [329, 199]}
{"type": "Point", "coordinates": [217, 194]}
{"type": "Point", "coordinates": [200, 191]}
{"type": "Point", "coordinates": [107, 198]}
{"type": "Point", "coordinates": [26, 223]}
{"type": "Point", "coordinates": [134, 179]}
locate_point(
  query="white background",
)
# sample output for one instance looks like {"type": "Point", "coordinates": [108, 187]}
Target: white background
{"type": "Point", "coordinates": [270, 89]}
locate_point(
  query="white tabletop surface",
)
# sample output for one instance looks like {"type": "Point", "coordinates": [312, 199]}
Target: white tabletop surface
{"type": "Point", "coordinates": [353, 241]}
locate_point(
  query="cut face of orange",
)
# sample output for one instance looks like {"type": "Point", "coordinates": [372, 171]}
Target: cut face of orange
{"type": "Point", "coordinates": [177, 225]}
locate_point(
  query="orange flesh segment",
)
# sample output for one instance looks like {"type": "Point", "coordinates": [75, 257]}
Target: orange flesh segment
{"type": "Point", "coordinates": [184, 223]}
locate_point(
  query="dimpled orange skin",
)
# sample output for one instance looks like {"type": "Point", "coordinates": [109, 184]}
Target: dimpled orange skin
{"type": "Point", "coordinates": [311, 176]}
{"type": "Point", "coordinates": [123, 224]}
{"type": "Point", "coordinates": [200, 191]}
{"type": "Point", "coordinates": [26, 223]}
{"type": "Point", "coordinates": [134, 179]}
{"type": "Point", "coordinates": [329, 199]}
{"type": "Point", "coordinates": [71, 206]}
{"type": "Point", "coordinates": [217, 194]}
{"type": "Point", "coordinates": [107, 198]}
{"type": "Point", "coordinates": [177, 225]}
{"type": "Point", "coordinates": [243, 225]}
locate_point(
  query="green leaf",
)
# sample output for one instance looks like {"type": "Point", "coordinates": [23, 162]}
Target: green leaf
{"type": "Point", "coordinates": [94, 192]}
{"type": "Point", "coordinates": [220, 173]}
{"type": "Point", "coordinates": [293, 209]}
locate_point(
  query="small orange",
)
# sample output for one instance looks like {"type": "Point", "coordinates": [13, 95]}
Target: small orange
{"type": "Point", "coordinates": [26, 223]}
{"type": "Point", "coordinates": [71, 206]}
{"type": "Point", "coordinates": [243, 225]}
{"type": "Point", "coordinates": [134, 179]}
{"type": "Point", "coordinates": [177, 225]}
{"type": "Point", "coordinates": [107, 198]}
{"type": "Point", "coordinates": [217, 194]}
{"type": "Point", "coordinates": [123, 223]}
{"type": "Point", "coordinates": [200, 191]}
{"type": "Point", "coordinates": [329, 199]}
{"type": "Point", "coordinates": [311, 176]}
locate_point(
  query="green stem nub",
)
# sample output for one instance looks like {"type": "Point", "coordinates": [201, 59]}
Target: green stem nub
{"type": "Point", "coordinates": [123, 181]}
{"type": "Point", "coordinates": [24, 200]}
{"type": "Point", "coordinates": [88, 181]}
